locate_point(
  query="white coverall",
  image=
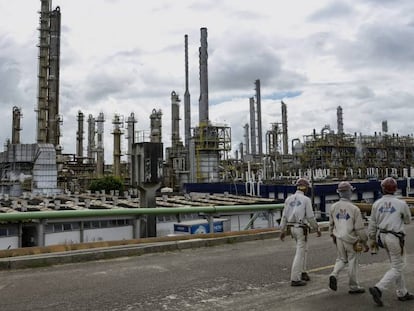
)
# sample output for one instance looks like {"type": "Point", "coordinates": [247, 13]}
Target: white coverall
{"type": "Point", "coordinates": [345, 223]}
{"type": "Point", "coordinates": [297, 214]}
{"type": "Point", "coordinates": [390, 214]}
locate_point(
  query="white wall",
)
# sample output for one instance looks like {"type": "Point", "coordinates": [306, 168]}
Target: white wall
{"type": "Point", "coordinates": [108, 234]}
{"type": "Point", "coordinates": [12, 241]}
{"type": "Point", "coordinates": [65, 237]}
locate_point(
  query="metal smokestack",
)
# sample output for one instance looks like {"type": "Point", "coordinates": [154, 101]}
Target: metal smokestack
{"type": "Point", "coordinates": [117, 145]}
{"type": "Point", "coordinates": [284, 129]}
{"type": "Point", "coordinates": [175, 119]}
{"type": "Point", "coordinates": [203, 100]}
{"type": "Point", "coordinates": [259, 116]}
{"type": "Point", "coordinates": [79, 137]}
{"type": "Point", "coordinates": [43, 71]}
{"type": "Point", "coordinates": [340, 120]}
{"type": "Point", "coordinates": [91, 139]}
{"type": "Point", "coordinates": [246, 139]}
{"type": "Point", "coordinates": [53, 119]}
{"type": "Point", "coordinates": [131, 141]}
{"type": "Point", "coordinates": [252, 127]}
{"type": "Point", "coordinates": [17, 114]}
{"type": "Point", "coordinates": [187, 103]}
{"type": "Point", "coordinates": [100, 146]}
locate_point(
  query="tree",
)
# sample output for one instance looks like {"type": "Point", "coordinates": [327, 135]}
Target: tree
{"type": "Point", "coordinates": [107, 183]}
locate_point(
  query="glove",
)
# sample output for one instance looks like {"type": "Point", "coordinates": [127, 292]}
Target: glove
{"type": "Point", "coordinates": [282, 235]}
{"type": "Point", "coordinates": [333, 238]}
{"type": "Point", "coordinates": [366, 248]}
{"type": "Point", "coordinates": [358, 246]}
{"type": "Point", "coordinates": [318, 233]}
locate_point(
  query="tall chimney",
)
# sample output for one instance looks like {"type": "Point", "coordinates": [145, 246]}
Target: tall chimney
{"type": "Point", "coordinates": [131, 141]}
{"type": "Point", "coordinates": [53, 118]}
{"type": "Point", "coordinates": [117, 146]}
{"type": "Point", "coordinates": [79, 137]}
{"type": "Point", "coordinates": [43, 71]}
{"type": "Point", "coordinates": [252, 127]}
{"type": "Point", "coordinates": [16, 125]}
{"type": "Point", "coordinates": [187, 103]}
{"type": "Point", "coordinates": [285, 129]}
{"type": "Point", "coordinates": [203, 101]}
{"type": "Point", "coordinates": [175, 119]}
{"type": "Point", "coordinates": [246, 138]}
{"type": "Point", "coordinates": [340, 120]}
{"type": "Point", "coordinates": [100, 145]}
{"type": "Point", "coordinates": [259, 116]}
{"type": "Point", "coordinates": [91, 139]}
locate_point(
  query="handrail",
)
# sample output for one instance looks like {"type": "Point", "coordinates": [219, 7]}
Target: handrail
{"type": "Point", "coordinates": [120, 211]}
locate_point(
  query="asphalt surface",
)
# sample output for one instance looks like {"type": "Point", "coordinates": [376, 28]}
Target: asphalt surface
{"type": "Point", "coordinates": [250, 275]}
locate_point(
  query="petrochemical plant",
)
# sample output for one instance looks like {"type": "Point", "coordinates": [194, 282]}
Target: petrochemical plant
{"type": "Point", "coordinates": [203, 156]}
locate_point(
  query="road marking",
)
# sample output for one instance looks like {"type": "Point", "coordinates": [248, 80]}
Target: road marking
{"type": "Point", "coordinates": [321, 268]}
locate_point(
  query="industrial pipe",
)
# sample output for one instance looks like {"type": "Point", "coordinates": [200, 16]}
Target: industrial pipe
{"type": "Point", "coordinates": [136, 211]}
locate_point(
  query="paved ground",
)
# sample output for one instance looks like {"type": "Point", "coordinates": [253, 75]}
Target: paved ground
{"type": "Point", "coordinates": [252, 275]}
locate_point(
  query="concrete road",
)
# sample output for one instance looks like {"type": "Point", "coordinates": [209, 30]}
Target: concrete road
{"type": "Point", "coordinates": [242, 276]}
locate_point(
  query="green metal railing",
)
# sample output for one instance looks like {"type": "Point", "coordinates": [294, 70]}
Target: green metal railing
{"type": "Point", "coordinates": [210, 210]}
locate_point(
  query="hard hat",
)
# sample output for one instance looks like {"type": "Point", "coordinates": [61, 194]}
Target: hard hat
{"type": "Point", "coordinates": [389, 185]}
{"type": "Point", "coordinates": [345, 186]}
{"type": "Point", "coordinates": [302, 182]}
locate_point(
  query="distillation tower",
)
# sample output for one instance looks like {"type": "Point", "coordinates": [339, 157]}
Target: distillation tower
{"type": "Point", "coordinates": [211, 142]}
{"type": "Point", "coordinates": [48, 119]}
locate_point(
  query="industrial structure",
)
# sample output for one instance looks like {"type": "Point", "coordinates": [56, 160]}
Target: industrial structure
{"type": "Point", "coordinates": [263, 167]}
{"type": "Point", "coordinates": [201, 156]}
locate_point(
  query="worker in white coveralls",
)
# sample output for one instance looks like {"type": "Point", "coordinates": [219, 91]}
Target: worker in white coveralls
{"type": "Point", "coordinates": [386, 230]}
{"type": "Point", "coordinates": [347, 230]}
{"type": "Point", "coordinates": [298, 216]}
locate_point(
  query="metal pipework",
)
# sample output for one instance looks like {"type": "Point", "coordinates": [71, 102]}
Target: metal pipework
{"type": "Point", "coordinates": [21, 216]}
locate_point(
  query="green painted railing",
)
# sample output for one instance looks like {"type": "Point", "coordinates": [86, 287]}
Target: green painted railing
{"type": "Point", "coordinates": [64, 214]}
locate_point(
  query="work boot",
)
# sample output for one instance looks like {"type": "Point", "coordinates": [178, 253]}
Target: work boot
{"type": "Point", "coordinates": [305, 276]}
{"type": "Point", "coordinates": [297, 283]}
{"type": "Point", "coordinates": [376, 295]}
{"type": "Point", "coordinates": [332, 283]}
{"type": "Point", "coordinates": [406, 297]}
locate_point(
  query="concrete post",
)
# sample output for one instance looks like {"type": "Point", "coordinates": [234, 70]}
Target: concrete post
{"type": "Point", "coordinates": [147, 199]}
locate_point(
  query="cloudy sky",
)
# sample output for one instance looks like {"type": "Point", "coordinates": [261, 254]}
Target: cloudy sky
{"type": "Point", "coordinates": [124, 56]}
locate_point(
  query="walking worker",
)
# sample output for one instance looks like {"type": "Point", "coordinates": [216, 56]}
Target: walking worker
{"type": "Point", "coordinates": [298, 216]}
{"type": "Point", "coordinates": [386, 229]}
{"type": "Point", "coordinates": [347, 230]}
